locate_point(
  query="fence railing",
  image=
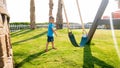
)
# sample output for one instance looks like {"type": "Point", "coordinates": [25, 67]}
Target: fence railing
{"type": "Point", "coordinates": [15, 27]}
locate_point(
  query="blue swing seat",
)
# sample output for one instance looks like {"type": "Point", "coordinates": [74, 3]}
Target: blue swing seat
{"type": "Point", "coordinates": [83, 41]}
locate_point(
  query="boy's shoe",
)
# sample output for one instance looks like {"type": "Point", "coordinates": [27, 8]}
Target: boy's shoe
{"type": "Point", "coordinates": [54, 48]}
{"type": "Point", "coordinates": [46, 50]}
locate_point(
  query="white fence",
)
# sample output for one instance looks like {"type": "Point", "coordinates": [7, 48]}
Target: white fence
{"type": "Point", "coordinates": [15, 27]}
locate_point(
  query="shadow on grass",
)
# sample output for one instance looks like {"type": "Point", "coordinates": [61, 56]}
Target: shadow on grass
{"type": "Point", "coordinates": [30, 58]}
{"type": "Point", "coordinates": [20, 32]}
{"type": "Point", "coordinates": [90, 61]}
{"type": "Point", "coordinates": [34, 37]}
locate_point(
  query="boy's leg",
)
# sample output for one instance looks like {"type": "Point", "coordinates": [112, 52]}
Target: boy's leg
{"type": "Point", "coordinates": [48, 40]}
{"type": "Point", "coordinates": [53, 45]}
{"type": "Point", "coordinates": [47, 46]}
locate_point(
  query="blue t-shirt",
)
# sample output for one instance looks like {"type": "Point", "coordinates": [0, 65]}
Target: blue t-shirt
{"type": "Point", "coordinates": [50, 31]}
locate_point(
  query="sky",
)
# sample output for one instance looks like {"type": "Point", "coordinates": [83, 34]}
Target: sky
{"type": "Point", "coordinates": [19, 10]}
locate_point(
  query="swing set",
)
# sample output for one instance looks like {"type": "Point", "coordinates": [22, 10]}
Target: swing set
{"type": "Point", "coordinates": [86, 37]}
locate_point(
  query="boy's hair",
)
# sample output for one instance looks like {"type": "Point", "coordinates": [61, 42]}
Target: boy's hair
{"type": "Point", "coordinates": [51, 17]}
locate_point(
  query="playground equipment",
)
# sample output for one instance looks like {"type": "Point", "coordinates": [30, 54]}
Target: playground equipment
{"type": "Point", "coordinates": [86, 39]}
{"type": "Point", "coordinates": [70, 34]}
{"type": "Point", "coordinates": [5, 45]}
{"type": "Point", "coordinates": [84, 36]}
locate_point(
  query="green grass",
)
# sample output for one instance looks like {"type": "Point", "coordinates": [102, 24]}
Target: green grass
{"type": "Point", "coordinates": [29, 46]}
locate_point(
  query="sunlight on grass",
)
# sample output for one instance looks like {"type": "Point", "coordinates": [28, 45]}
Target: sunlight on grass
{"type": "Point", "coordinates": [29, 46]}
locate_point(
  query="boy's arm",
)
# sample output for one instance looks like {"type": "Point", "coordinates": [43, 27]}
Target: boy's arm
{"type": "Point", "coordinates": [54, 30]}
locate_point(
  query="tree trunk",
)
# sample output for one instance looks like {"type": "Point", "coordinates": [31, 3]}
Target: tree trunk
{"type": "Point", "coordinates": [50, 7]}
{"type": "Point", "coordinates": [32, 14]}
{"type": "Point", "coordinates": [59, 19]}
{"type": "Point", "coordinates": [4, 1]}
{"type": "Point", "coordinates": [118, 4]}
{"type": "Point", "coordinates": [5, 44]}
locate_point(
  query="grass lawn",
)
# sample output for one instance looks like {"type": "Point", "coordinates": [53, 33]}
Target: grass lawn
{"type": "Point", "coordinates": [29, 45]}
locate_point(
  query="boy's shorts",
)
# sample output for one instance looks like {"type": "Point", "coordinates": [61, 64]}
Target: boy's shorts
{"type": "Point", "coordinates": [50, 39]}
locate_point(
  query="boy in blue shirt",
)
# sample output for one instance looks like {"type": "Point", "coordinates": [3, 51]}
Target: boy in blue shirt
{"type": "Point", "coordinates": [51, 32]}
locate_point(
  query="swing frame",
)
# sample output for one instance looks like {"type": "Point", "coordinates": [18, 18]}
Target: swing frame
{"type": "Point", "coordinates": [92, 30]}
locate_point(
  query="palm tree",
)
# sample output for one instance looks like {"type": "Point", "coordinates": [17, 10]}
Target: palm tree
{"type": "Point", "coordinates": [32, 14]}
{"type": "Point", "coordinates": [50, 7]}
{"type": "Point", "coordinates": [59, 19]}
{"type": "Point", "coordinates": [5, 45]}
{"type": "Point", "coordinates": [4, 1]}
{"type": "Point", "coordinates": [118, 3]}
